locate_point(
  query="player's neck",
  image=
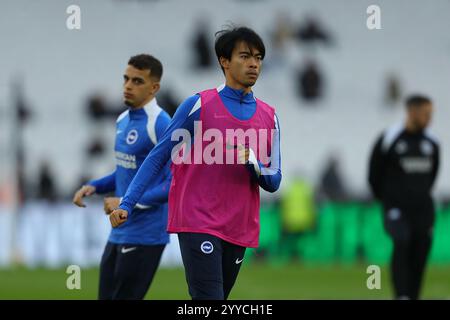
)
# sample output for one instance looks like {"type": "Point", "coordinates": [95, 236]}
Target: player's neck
{"type": "Point", "coordinates": [143, 104]}
{"type": "Point", "coordinates": [237, 86]}
{"type": "Point", "coordinates": [411, 127]}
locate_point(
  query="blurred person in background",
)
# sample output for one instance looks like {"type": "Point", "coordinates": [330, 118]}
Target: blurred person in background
{"type": "Point", "coordinates": [393, 90]}
{"type": "Point", "coordinates": [201, 46]}
{"type": "Point", "coordinates": [280, 34]}
{"type": "Point", "coordinates": [312, 31]}
{"type": "Point", "coordinates": [214, 208]}
{"type": "Point", "coordinates": [309, 81]}
{"type": "Point", "coordinates": [169, 100]}
{"type": "Point", "coordinates": [46, 183]}
{"type": "Point", "coordinates": [134, 250]}
{"type": "Point", "coordinates": [332, 186]}
{"type": "Point", "coordinates": [403, 167]}
{"type": "Point", "coordinates": [298, 215]}
{"type": "Point", "coordinates": [96, 107]}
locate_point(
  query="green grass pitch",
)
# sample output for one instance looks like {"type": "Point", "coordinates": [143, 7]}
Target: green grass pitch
{"type": "Point", "coordinates": [255, 281]}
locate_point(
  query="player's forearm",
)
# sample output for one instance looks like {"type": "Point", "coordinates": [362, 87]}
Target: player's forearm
{"type": "Point", "coordinates": [270, 179]}
{"type": "Point", "coordinates": [105, 184]}
{"type": "Point", "coordinates": [148, 171]}
{"type": "Point", "coordinates": [155, 196]}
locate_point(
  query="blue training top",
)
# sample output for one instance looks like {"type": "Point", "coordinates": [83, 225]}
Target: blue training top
{"type": "Point", "coordinates": [138, 131]}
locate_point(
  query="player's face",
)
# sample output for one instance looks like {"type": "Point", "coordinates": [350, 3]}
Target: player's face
{"type": "Point", "coordinates": [138, 87]}
{"type": "Point", "coordinates": [244, 66]}
{"type": "Point", "coordinates": [422, 115]}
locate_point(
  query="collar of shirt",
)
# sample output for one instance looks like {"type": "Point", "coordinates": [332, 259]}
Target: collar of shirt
{"type": "Point", "coordinates": [140, 113]}
{"type": "Point", "coordinates": [237, 95]}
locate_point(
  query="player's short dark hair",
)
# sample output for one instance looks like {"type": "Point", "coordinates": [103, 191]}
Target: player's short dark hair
{"type": "Point", "coordinates": [227, 39]}
{"type": "Point", "coordinates": [146, 61]}
{"type": "Point", "coordinates": [417, 100]}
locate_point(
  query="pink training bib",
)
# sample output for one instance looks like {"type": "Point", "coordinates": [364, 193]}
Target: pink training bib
{"type": "Point", "coordinates": [220, 199]}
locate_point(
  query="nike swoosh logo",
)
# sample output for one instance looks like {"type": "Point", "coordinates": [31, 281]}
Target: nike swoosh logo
{"type": "Point", "coordinates": [126, 250]}
{"type": "Point", "coordinates": [239, 261]}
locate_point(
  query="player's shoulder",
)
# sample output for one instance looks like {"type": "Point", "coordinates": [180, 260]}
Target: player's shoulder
{"type": "Point", "coordinates": [155, 113]}
{"type": "Point", "coordinates": [266, 106]}
{"type": "Point", "coordinates": [156, 116]}
{"type": "Point", "coordinates": [163, 116]}
{"type": "Point", "coordinates": [162, 122]}
{"type": "Point", "coordinates": [153, 109]}
{"type": "Point", "coordinates": [122, 116]}
{"type": "Point", "coordinates": [192, 100]}
{"type": "Point", "coordinates": [190, 105]}
{"type": "Point", "coordinates": [267, 109]}
{"type": "Point", "coordinates": [390, 135]}
{"type": "Point", "coordinates": [429, 135]}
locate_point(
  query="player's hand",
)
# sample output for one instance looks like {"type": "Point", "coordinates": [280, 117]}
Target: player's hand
{"type": "Point", "coordinates": [243, 154]}
{"type": "Point", "coordinates": [117, 217]}
{"type": "Point", "coordinates": [110, 203]}
{"type": "Point", "coordinates": [84, 191]}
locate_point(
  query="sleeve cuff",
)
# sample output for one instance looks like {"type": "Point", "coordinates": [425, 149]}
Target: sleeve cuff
{"type": "Point", "coordinates": [124, 207]}
{"type": "Point", "coordinates": [142, 206]}
{"type": "Point", "coordinates": [253, 161]}
{"type": "Point", "coordinates": [137, 206]}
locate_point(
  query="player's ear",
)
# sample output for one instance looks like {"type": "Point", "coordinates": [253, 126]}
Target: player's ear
{"type": "Point", "coordinates": [224, 62]}
{"type": "Point", "coordinates": [155, 87]}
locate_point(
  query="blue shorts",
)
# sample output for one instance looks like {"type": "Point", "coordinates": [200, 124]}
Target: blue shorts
{"type": "Point", "coordinates": [211, 265]}
{"type": "Point", "coordinates": [127, 270]}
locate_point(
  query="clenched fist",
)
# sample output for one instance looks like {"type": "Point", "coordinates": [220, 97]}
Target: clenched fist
{"type": "Point", "coordinates": [243, 154]}
{"type": "Point", "coordinates": [117, 217]}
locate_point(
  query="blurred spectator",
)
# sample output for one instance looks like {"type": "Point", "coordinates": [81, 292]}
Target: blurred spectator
{"type": "Point", "coordinates": [23, 114]}
{"type": "Point", "coordinates": [22, 185]}
{"type": "Point", "coordinates": [279, 36]}
{"type": "Point", "coordinates": [297, 207]}
{"type": "Point", "coordinates": [46, 187]}
{"type": "Point", "coordinates": [96, 107]}
{"type": "Point", "coordinates": [332, 187]}
{"type": "Point", "coordinates": [168, 101]}
{"type": "Point", "coordinates": [96, 148]}
{"type": "Point", "coordinates": [282, 31]}
{"type": "Point", "coordinates": [298, 215]}
{"type": "Point", "coordinates": [115, 110]}
{"type": "Point", "coordinates": [201, 45]}
{"type": "Point", "coordinates": [313, 32]}
{"type": "Point", "coordinates": [393, 90]}
{"type": "Point", "coordinates": [309, 82]}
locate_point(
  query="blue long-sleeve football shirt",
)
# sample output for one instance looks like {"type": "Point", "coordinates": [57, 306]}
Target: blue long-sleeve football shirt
{"type": "Point", "coordinates": [137, 132]}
